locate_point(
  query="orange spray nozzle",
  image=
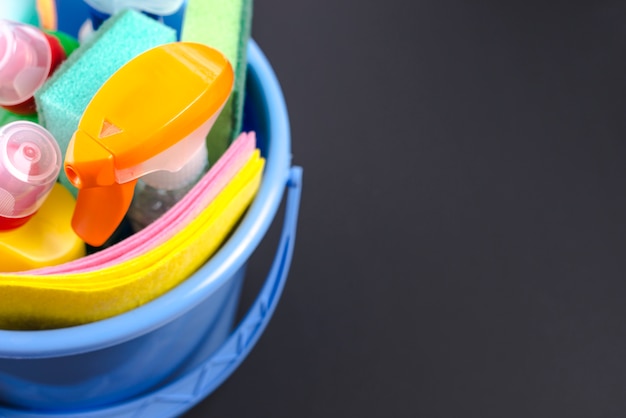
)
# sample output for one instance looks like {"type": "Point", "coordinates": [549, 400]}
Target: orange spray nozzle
{"type": "Point", "coordinates": [152, 114]}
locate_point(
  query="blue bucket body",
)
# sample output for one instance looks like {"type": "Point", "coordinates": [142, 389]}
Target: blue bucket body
{"type": "Point", "coordinates": [108, 375]}
{"type": "Point", "coordinates": [130, 357]}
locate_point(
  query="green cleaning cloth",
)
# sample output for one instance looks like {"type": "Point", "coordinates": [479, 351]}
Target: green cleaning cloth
{"type": "Point", "coordinates": [224, 25]}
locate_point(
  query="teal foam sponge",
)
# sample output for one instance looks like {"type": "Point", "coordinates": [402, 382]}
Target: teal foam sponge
{"type": "Point", "coordinates": [62, 100]}
{"type": "Point", "coordinates": [223, 25]}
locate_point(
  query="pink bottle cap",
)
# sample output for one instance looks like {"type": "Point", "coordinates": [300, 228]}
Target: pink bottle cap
{"type": "Point", "coordinates": [25, 60]}
{"type": "Point", "coordinates": [30, 162]}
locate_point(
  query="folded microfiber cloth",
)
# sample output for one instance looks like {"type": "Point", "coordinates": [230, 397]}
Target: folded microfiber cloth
{"type": "Point", "coordinates": [29, 301]}
{"type": "Point", "coordinates": [226, 26]}
{"type": "Point", "coordinates": [62, 100]}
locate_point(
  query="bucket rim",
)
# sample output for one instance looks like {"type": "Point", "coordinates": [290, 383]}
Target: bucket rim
{"type": "Point", "coordinates": [209, 277]}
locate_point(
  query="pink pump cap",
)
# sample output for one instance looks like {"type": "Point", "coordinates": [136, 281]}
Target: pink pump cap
{"type": "Point", "coordinates": [25, 60]}
{"type": "Point", "coordinates": [30, 162]}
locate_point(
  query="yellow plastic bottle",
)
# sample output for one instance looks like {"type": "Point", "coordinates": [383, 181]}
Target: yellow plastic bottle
{"type": "Point", "coordinates": [46, 239]}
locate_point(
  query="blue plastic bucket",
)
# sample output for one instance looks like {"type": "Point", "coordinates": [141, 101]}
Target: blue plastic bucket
{"type": "Point", "coordinates": [162, 358]}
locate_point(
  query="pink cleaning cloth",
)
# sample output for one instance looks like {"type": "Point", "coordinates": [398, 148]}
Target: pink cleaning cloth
{"type": "Point", "coordinates": [174, 220]}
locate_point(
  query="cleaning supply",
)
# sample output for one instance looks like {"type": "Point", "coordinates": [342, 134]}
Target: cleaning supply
{"type": "Point", "coordinates": [64, 97]}
{"type": "Point", "coordinates": [68, 15]}
{"type": "Point", "coordinates": [28, 56]}
{"type": "Point", "coordinates": [154, 7]}
{"type": "Point", "coordinates": [68, 42]}
{"type": "Point", "coordinates": [224, 25]}
{"type": "Point", "coordinates": [178, 90]}
{"type": "Point", "coordinates": [34, 210]}
{"type": "Point", "coordinates": [30, 162]}
{"type": "Point", "coordinates": [100, 10]}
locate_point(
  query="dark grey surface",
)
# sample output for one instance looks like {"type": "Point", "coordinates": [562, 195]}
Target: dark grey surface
{"type": "Point", "coordinates": [461, 243]}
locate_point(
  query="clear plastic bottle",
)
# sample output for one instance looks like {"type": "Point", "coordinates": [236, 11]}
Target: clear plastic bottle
{"type": "Point", "coordinates": [159, 191]}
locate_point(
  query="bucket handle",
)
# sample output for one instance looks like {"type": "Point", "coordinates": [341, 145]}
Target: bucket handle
{"type": "Point", "coordinates": [191, 388]}
{"type": "Point", "coordinates": [183, 393]}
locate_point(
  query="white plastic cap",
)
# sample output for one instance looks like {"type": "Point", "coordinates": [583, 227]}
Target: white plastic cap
{"type": "Point", "coordinates": [188, 174]}
{"type": "Point", "coordinates": [25, 60]}
{"type": "Point", "coordinates": [157, 7]}
{"type": "Point", "coordinates": [30, 162]}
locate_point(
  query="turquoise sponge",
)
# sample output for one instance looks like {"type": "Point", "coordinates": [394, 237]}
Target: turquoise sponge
{"type": "Point", "coordinates": [224, 25]}
{"type": "Point", "coordinates": [62, 100]}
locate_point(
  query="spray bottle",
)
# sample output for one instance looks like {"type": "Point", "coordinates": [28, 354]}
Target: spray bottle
{"type": "Point", "coordinates": [151, 115]}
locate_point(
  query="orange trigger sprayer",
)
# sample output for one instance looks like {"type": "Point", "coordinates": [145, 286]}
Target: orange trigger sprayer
{"type": "Point", "coordinates": [153, 114]}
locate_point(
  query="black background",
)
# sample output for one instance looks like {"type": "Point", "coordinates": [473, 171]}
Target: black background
{"type": "Point", "coordinates": [461, 240]}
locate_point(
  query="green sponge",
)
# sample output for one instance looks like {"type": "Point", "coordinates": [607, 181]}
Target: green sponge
{"type": "Point", "coordinates": [224, 25]}
{"type": "Point", "coordinates": [62, 100]}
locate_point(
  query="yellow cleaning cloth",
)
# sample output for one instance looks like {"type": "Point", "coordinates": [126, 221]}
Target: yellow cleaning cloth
{"type": "Point", "coordinates": [53, 301]}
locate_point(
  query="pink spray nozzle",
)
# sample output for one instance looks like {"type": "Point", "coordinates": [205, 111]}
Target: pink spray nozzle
{"type": "Point", "coordinates": [25, 61]}
{"type": "Point", "coordinates": [30, 162]}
